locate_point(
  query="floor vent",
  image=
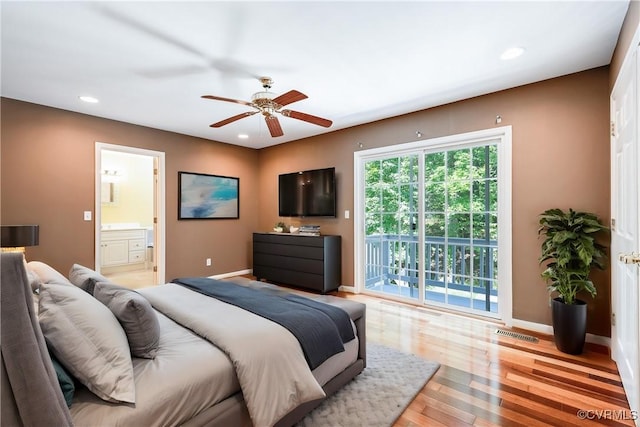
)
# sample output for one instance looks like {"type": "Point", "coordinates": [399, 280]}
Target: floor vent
{"type": "Point", "coordinates": [516, 335]}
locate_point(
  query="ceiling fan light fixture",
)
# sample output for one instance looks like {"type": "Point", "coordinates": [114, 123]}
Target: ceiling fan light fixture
{"type": "Point", "coordinates": [263, 101]}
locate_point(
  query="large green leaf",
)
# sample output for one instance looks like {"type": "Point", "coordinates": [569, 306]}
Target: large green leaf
{"type": "Point", "coordinates": [569, 251]}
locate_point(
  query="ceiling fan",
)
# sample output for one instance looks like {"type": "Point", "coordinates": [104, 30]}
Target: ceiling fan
{"type": "Point", "coordinates": [268, 104]}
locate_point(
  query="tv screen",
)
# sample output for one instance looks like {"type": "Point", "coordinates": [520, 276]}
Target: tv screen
{"type": "Point", "coordinates": [307, 193]}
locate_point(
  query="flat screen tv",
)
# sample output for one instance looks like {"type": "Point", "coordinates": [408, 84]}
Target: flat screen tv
{"type": "Point", "coordinates": [307, 193]}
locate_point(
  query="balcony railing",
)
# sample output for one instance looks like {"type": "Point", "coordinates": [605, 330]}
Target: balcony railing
{"type": "Point", "coordinates": [392, 260]}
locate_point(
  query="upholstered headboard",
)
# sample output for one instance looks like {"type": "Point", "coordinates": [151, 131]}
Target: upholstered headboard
{"type": "Point", "coordinates": [31, 395]}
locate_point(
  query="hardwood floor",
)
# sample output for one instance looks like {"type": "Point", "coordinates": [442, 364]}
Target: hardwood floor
{"type": "Point", "coordinates": [486, 379]}
{"type": "Point", "coordinates": [133, 279]}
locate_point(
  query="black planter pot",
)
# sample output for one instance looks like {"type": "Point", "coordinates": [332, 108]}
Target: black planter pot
{"type": "Point", "coordinates": [569, 325]}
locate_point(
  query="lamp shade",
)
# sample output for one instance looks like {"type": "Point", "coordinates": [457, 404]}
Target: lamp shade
{"type": "Point", "coordinates": [14, 236]}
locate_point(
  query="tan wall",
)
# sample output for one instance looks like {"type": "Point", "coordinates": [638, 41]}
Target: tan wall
{"type": "Point", "coordinates": [560, 159]}
{"type": "Point", "coordinates": [47, 178]}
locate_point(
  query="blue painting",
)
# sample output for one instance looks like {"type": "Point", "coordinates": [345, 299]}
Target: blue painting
{"type": "Point", "coordinates": [208, 196]}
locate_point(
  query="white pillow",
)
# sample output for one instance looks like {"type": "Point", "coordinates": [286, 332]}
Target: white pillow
{"type": "Point", "coordinates": [47, 274]}
{"type": "Point", "coordinates": [87, 339]}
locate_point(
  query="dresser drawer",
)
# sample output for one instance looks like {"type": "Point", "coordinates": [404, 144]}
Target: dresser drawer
{"type": "Point", "coordinates": [136, 256]}
{"type": "Point", "coordinates": [311, 252]}
{"type": "Point", "coordinates": [136, 245]}
{"type": "Point", "coordinates": [311, 266]}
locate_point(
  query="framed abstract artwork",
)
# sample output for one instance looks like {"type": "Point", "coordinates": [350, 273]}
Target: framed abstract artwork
{"type": "Point", "coordinates": [202, 196]}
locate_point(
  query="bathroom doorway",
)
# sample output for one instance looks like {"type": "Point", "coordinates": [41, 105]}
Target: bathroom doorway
{"type": "Point", "coordinates": [129, 216]}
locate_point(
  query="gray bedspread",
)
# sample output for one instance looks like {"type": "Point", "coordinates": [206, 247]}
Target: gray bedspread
{"type": "Point", "coordinates": [321, 329]}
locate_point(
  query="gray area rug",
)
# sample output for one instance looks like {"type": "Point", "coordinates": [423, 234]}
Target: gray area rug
{"type": "Point", "coordinates": [378, 395]}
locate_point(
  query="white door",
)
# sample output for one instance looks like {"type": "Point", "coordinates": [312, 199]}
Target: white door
{"type": "Point", "coordinates": [625, 228]}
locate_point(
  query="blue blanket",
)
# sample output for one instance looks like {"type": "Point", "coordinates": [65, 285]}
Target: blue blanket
{"type": "Point", "coordinates": [321, 329]}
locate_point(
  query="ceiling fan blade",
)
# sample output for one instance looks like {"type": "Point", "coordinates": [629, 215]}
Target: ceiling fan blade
{"type": "Point", "coordinates": [289, 97]}
{"type": "Point", "coordinates": [153, 32]}
{"type": "Point", "coordinates": [307, 118]}
{"type": "Point", "coordinates": [274, 126]}
{"type": "Point", "coordinates": [219, 98]}
{"type": "Point", "coordinates": [232, 119]}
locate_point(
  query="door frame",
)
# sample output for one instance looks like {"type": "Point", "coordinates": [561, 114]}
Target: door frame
{"type": "Point", "coordinates": [159, 204]}
{"type": "Point", "coordinates": [503, 134]}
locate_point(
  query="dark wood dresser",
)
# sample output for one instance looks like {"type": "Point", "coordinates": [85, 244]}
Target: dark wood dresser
{"type": "Point", "coordinates": [311, 262]}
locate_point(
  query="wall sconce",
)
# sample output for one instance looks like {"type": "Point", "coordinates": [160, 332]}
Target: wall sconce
{"type": "Point", "coordinates": [14, 238]}
{"type": "Point", "coordinates": [419, 134]}
{"type": "Point", "coordinates": [110, 175]}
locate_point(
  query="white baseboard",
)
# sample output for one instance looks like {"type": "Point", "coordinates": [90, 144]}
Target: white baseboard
{"type": "Point", "coordinates": [345, 288]}
{"type": "Point", "coordinates": [231, 274]}
{"type": "Point", "coordinates": [548, 329]}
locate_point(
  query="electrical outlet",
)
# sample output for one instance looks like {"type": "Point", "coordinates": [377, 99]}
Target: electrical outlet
{"type": "Point", "coordinates": [87, 215]}
{"type": "Point", "coordinates": [208, 262]}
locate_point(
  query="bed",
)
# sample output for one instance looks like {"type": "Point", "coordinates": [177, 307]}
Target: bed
{"type": "Point", "coordinates": [258, 372]}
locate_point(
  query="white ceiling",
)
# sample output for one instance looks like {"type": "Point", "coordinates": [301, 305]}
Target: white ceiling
{"type": "Point", "coordinates": [149, 62]}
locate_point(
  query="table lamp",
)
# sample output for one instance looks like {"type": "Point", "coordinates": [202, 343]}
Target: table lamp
{"type": "Point", "coordinates": [14, 238]}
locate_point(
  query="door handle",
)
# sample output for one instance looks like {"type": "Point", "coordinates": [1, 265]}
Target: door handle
{"type": "Point", "coordinates": [632, 258]}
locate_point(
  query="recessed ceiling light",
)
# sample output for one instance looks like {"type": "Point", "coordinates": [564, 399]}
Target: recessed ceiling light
{"type": "Point", "coordinates": [512, 53]}
{"type": "Point", "coordinates": [243, 136]}
{"type": "Point", "coordinates": [89, 99]}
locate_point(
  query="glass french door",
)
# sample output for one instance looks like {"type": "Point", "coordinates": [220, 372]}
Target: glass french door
{"type": "Point", "coordinates": [391, 223]}
{"type": "Point", "coordinates": [431, 226]}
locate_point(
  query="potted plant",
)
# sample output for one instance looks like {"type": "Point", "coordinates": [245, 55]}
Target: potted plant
{"type": "Point", "coordinates": [570, 251]}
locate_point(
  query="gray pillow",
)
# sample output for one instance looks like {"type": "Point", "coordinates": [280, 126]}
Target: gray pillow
{"type": "Point", "coordinates": [135, 314]}
{"type": "Point", "coordinates": [85, 278]}
{"type": "Point", "coordinates": [88, 341]}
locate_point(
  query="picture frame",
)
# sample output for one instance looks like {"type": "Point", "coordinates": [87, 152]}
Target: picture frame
{"type": "Point", "coordinates": [204, 196]}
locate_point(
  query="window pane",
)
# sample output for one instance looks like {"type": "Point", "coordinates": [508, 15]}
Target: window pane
{"type": "Point", "coordinates": [409, 198]}
{"type": "Point", "coordinates": [483, 158]}
{"type": "Point", "coordinates": [434, 169]}
{"type": "Point", "coordinates": [408, 169]}
{"type": "Point", "coordinates": [390, 171]}
{"type": "Point", "coordinates": [458, 225]}
{"type": "Point", "coordinates": [434, 197]}
{"type": "Point", "coordinates": [485, 226]}
{"type": "Point", "coordinates": [372, 171]}
{"type": "Point", "coordinates": [458, 164]}
{"type": "Point", "coordinates": [390, 199]}
{"type": "Point", "coordinates": [434, 225]}
{"type": "Point", "coordinates": [389, 224]}
{"type": "Point", "coordinates": [480, 190]}
{"type": "Point", "coordinates": [458, 196]}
